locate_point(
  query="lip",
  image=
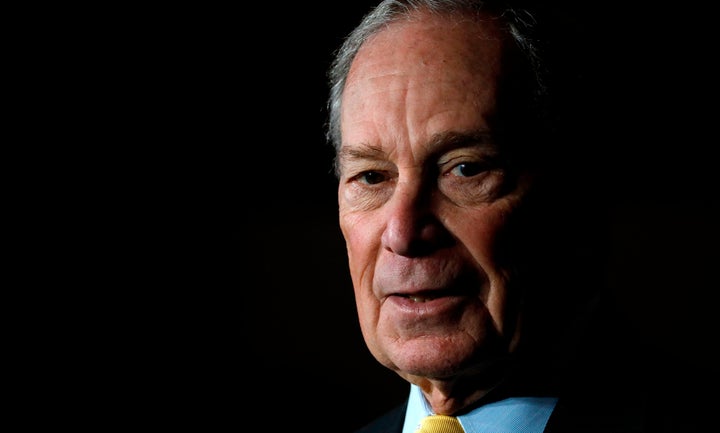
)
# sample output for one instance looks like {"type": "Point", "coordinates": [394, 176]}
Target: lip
{"type": "Point", "coordinates": [427, 304]}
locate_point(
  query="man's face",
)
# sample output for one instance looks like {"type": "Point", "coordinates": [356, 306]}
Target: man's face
{"type": "Point", "coordinates": [425, 198]}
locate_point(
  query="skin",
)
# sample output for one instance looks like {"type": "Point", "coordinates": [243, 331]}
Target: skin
{"type": "Point", "coordinates": [424, 203]}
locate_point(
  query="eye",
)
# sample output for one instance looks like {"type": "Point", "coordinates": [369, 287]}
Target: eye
{"type": "Point", "coordinates": [371, 177]}
{"type": "Point", "coordinates": [468, 169]}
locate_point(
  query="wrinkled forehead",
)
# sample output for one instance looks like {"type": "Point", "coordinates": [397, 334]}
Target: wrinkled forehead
{"type": "Point", "coordinates": [416, 81]}
{"type": "Point", "coordinates": [436, 57]}
{"type": "Point", "coordinates": [430, 41]}
{"type": "Point", "coordinates": [436, 70]}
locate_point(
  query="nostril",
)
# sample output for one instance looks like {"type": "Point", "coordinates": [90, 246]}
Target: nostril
{"type": "Point", "coordinates": [415, 238]}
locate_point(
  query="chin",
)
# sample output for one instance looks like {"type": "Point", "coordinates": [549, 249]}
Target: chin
{"type": "Point", "coordinates": [431, 357]}
{"type": "Point", "coordinates": [440, 357]}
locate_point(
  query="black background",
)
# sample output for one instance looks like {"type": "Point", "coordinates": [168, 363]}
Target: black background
{"type": "Point", "coordinates": [238, 296]}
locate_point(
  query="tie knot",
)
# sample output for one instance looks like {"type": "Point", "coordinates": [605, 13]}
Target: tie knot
{"type": "Point", "coordinates": [440, 424]}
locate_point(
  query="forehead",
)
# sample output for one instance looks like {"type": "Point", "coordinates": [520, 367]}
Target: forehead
{"type": "Point", "coordinates": [419, 78]}
{"type": "Point", "coordinates": [433, 40]}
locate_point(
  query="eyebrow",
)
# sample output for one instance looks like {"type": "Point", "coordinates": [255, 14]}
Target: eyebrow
{"type": "Point", "coordinates": [438, 143]}
{"type": "Point", "coordinates": [442, 142]}
{"type": "Point", "coordinates": [361, 151]}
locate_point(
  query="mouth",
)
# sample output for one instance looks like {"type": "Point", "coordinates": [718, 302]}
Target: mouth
{"type": "Point", "coordinates": [419, 298]}
{"type": "Point", "coordinates": [425, 304]}
{"type": "Point", "coordinates": [430, 295]}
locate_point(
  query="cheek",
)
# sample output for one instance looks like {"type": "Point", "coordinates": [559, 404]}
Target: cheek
{"type": "Point", "coordinates": [361, 242]}
{"type": "Point", "coordinates": [482, 235]}
{"type": "Point", "coordinates": [362, 250]}
{"type": "Point", "coordinates": [485, 239]}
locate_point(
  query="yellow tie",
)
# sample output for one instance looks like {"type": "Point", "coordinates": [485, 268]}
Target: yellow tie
{"type": "Point", "coordinates": [440, 424]}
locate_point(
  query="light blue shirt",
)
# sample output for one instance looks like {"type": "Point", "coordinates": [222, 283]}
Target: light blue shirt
{"type": "Point", "coordinates": [512, 415]}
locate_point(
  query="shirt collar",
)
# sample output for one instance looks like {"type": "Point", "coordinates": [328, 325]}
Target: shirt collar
{"type": "Point", "coordinates": [510, 415]}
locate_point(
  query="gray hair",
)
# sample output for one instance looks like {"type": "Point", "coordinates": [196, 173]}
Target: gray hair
{"type": "Point", "coordinates": [518, 23]}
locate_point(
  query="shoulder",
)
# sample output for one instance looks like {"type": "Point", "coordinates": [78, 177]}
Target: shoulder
{"type": "Point", "coordinates": [664, 397]}
{"type": "Point", "coordinates": [390, 422]}
{"type": "Point", "coordinates": [620, 383]}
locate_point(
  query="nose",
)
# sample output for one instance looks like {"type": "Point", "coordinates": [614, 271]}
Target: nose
{"type": "Point", "coordinates": [413, 228]}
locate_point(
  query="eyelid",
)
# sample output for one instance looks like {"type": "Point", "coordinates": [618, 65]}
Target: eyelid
{"type": "Point", "coordinates": [366, 178]}
{"type": "Point", "coordinates": [481, 151]}
{"type": "Point", "coordinates": [455, 160]}
{"type": "Point", "coordinates": [486, 160]}
{"type": "Point", "coordinates": [360, 169]}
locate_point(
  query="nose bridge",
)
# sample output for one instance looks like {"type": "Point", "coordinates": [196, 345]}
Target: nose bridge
{"type": "Point", "coordinates": [408, 200]}
{"type": "Point", "coordinates": [410, 217]}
